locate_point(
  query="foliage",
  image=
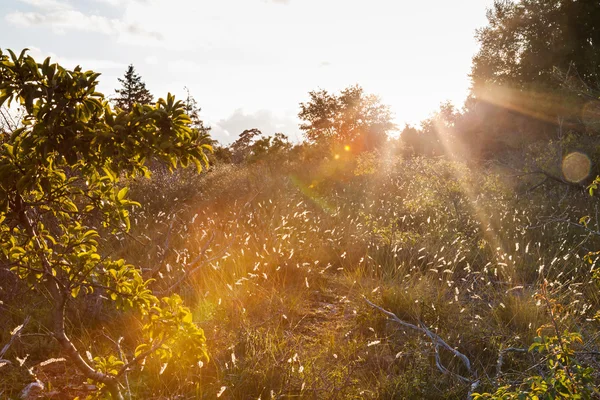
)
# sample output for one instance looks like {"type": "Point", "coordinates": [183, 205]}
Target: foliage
{"type": "Point", "coordinates": [63, 190]}
{"type": "Point", "coordinates": [436, 135]}
{"type": "Point", "coordinates": [447, 227]}
{"type": "Point", "coordinates": [133, 91]}
{"type": "Point", "coordinates": [526, 40]}
{"type": "Point", "coordinates": [366, 163]}
{"type": "Point", "coordinates": [566, 377]}
{"type": "Point", "coordinates": [193, 111]}
{"type": "Point", "coordinates": [280, 293]}
{"type": "Point", "coordinates": [252, 146]}
{"type": "Point", "coordinates": [350, 118]}
{"type": "Point", "coordinates": [273, 148]}
{"type": "Point", "coordinates": [241, 147]}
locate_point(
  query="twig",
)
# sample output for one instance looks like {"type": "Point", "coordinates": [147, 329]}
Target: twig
{"type": "Point", "coordinates": [140, 357]}
{"type": "Point", "coordinates": [500, 361]}
{"type": "Point", "coordinates": [159, 264]}
{"type": "Point", "coordinates": [123, 358]}
{"type": "Point", "coordinates": [14, 335]}
{"type": "Point", "coordinates": [531, 189]}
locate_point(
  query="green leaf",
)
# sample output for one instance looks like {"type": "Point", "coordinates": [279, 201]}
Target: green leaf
{"type": "Point", "coordinates": [187, 318]}
{"type": "Point", "coordinates": [140, 349]}
{"type": "Point", "coordinates": [110, 174]}
{"type": "Point", "coordinates": [122, 193]}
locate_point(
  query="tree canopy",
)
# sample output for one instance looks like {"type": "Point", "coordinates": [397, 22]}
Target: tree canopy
{"type": "Point", "coordinates": [193, 110]}
{"type": "Point", "coordinates": [63, 175]}
{"type": "Point", "coordinates": [253, 146]}
{"type": "Point", "coordinates": [133, 90]}
{"type": "Point", "coordinates": [350, 118]}
{"type": "Point", "coordinates": [526, 41]}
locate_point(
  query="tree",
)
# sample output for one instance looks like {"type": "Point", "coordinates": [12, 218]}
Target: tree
{"type": "Point", "coordinates": [525, 41]}
{"type": "Point", "coordinates": [222, 154]}
{"type": "Point", "coordinates": [271, 148]}
{"type": "Point", "coordinates": [133, 91]}
{"type": "Point", "coordinates": [63, 184]}
{"type": "Point", "coordinates": [436, 135]}
{"type": "Point", "coordinates": [412, 139]}
{"type": "Point", "coordinates": [532, 53]}
{"type": "Point", "coordinates": [193, 111]}
{"type": "Point", "coordinates": [350, 118]}
{"type": "Point", "coordinates": [240, 149]}
{"type": "Point", "coordinates": [252, 146]}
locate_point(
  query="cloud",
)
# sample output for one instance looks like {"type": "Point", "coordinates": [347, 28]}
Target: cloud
{"type": "Point", "coordinates": [136, 30]}
{"type": "Point", "coordinates": [117, 3]}
{"type": "Point", "coordinates": [114, 3]}
{"type": "Point", "coordinates": [48, 4]}
{"type": "Point", "coordinates": [61, 17]}
{"type": "Point", "coordinates": [85, 63]}
{"type": "Point", "coordinates": [228, 129]}
{"type": "Point", "coordinates": [63, 20]}
{"type": "Point", "coordinates": [245, 27]}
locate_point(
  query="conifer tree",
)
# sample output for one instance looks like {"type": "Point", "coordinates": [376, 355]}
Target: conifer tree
{"type": "Point", "coordinates": [193, 111]}
{"type": "Point", "coordinates": [133, 90]}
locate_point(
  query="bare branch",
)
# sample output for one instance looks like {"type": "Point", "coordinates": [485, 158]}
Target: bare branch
{"type": "Point", "coordinates": [438, 342]}
{"type": "Point", "coordinates": [165, 247]}
{"type": "Point", "coordinates": [140, 357]}
{"type": "Point", "coordinates": [501, 354]}
{"type": "Point", "coordinates": [14, 335]}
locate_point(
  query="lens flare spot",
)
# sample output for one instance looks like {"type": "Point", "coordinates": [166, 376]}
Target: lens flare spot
{"type": "Point", "coordinates": [576, 167]}
{"type": "Point", "coordinates": [337, 156]}
{"type": "Point", "coordinates": [347, 148]}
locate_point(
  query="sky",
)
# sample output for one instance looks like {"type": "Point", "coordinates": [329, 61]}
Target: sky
{"type": "Point", "coordinates": [249, 63]}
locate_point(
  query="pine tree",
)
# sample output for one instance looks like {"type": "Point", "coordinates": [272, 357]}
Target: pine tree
{"type": "Point", "coordinates": [193, 111]}
{"type": "Point", "coordinates": [133, 90]}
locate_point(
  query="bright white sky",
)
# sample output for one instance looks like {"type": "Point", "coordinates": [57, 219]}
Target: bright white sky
{"type": "Point", "coordinates": [249, 63]}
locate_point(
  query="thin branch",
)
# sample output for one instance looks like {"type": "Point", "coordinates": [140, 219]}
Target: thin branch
{"type": "Point", "coordinates": [165, 247]}
{"type": "Point", "coordinates": [59, 296]}
{"type": "Point", "coordinates": [501, 354]}
{"type": "Point", "coordinates": [534, 187]}
{"type": "Point", "coordinates": [14, 335]}
{"type": "Point", "coordinates": [140, 357]}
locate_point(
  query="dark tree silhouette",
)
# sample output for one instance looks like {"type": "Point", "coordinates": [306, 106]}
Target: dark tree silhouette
{"type": "Point", "coordinates": [525, 41]}
{"type": "Point", "coordinates": [241, 147]}
{"type": "Point", "coordinates": [536, 57]}
{"type": "Point", "coordinates": [193, 111]}
{"type": "Point", "coordinates": [348, 118]}
{"type": "Point", "coordinates": [133, 91]}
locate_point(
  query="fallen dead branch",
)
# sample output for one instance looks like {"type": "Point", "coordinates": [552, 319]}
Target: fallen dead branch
{"type": "Point", "coordinates": [437, 342]}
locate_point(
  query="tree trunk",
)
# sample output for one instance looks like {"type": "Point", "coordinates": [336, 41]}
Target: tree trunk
{"type": "Point", "coordinates": [59, 300]}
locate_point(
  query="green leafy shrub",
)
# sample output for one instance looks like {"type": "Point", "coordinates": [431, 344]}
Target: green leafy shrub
{"type": "Point", "coordinates": [63, 190]}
